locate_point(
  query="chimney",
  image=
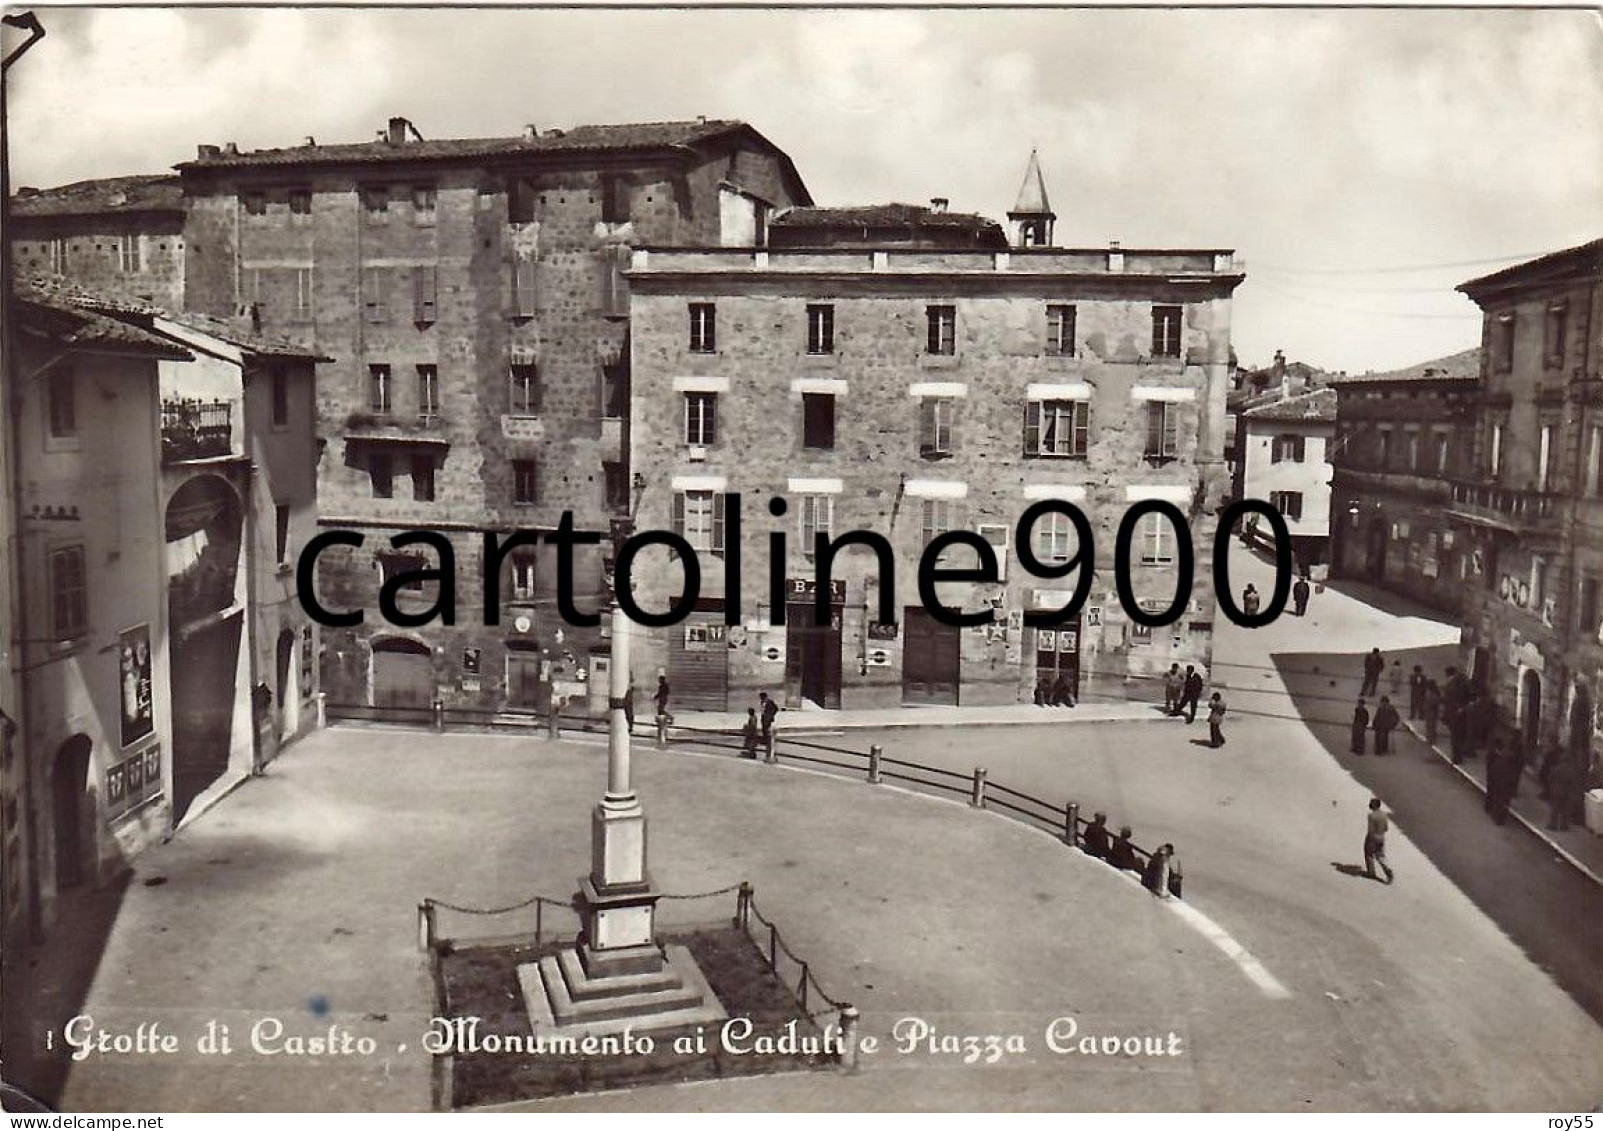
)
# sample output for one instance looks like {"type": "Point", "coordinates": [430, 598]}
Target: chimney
{"type": "Point", "coordinates": [531, 132]}
{"type": "Point", "coordinates": [702, 119]}
{"type": "Point", "coordinates": [207, 152]}
{"type": "Point", "coordinates": [27, 190]}
{"type": "Point", "coordinates": [230, 149]}
{"type": "Point", "coordinates": [397, 131]}
{"type": "Point", "coordinates": [938, 203]}
{"type": "Point", "coordinates": [1280, 367]}
{"type": "Point", "coordinates": [309, 141]}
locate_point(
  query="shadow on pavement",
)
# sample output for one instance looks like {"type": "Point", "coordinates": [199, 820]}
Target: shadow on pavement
{"type": "Point", "coordinates": [1386, 601]}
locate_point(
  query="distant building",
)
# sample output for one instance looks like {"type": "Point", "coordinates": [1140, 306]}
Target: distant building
{"type": "Point", "coordinates": [1533, 513]}
{"type": "Point", "coordinates": [1404, 439]}
{"type": "Point", "coordinates": [1285, 460]}
{"type": "Point", "coordinates": [122, 236]}
{"type": "Point", "coordinates": [911, 388]}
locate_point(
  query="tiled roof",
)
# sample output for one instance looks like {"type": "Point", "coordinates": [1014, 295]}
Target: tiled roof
{"type": "Point", "coordinates": [580, 139]}
{"type": "Point", "coordinates": [117, 195]}
{"type": "Point", "coordinates": [1464, 366]}
{"type": "Point", "coordinates": [249, 340]}
{"type": "Point", "coordinates": [1581, 257]}
{"type": "Point", "coordinates": [76, 323]}
{"type": "Point", "coordinates": [1316, 407]}
{"type": "Point", "coordinates": [881, 216]}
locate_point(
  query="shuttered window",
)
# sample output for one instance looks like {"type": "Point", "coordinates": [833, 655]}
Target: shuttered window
{"type": "Point", "coordinates": [1057, 429]}
{"type": "Point", "coordinates": [698, 518]}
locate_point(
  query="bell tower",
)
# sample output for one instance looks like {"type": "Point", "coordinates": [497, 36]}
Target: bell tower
{"type": "Point", "coordinates": [1031, 218]}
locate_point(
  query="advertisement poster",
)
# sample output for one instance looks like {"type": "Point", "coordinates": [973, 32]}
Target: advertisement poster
{"type": "Point", "coordinates": [882, 561]}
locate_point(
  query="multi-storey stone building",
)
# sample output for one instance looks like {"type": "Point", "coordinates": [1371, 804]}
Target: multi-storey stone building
{"type": "Point", "coordinates": [933, 384]}
{"type": "Point", "coordinates": [122, 236]}
{"type": "Point", "coordinates": [1403, 440]}
{"type": "Point", "coordinates": [473, 295]}
{"type": "Point", "coordinates": [1533, 519]}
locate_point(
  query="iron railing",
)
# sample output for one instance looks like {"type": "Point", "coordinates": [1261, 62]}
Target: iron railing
{"type": "Point", "coordinates": [195, 429]}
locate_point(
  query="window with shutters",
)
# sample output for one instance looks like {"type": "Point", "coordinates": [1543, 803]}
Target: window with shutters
{"type": "Point", "coordinates": [303, 293]}
{"type": "Point", "coordinates": [614, 200]}
{"type": "Point", "coordinates": [1057, 429]}
{"type": "Point", "coordinates": [300, 202]}
{"type": "Point", "coordinates": [523, 286]}
{"type": "Point", "coordinates": [701, 418]}
{"type": "Point", "coordinates": [524, 380]}
{"type": "Point", "coordinates": [614, 284]}
{"type": "Point", "coordinates": [379, 392]}
{"type": "Point", "coordinates": [817, 516]}
{"type": "Point", "coordinates": [523, 576]}
{"type": "Point", "coordinates": [938, 516]}
{"type": "Point", "coordinates": [1157, 540]}
{"type": "Point", "coordinates": [525, 482]}
{"type": "Point", "coordinates": [376, 203]}
{"type": "Point", "coordinates": [936, 417]}
{"type": "Point", "coordinates": [699, 519]}
{"type": "Point", "coordinates": [1054, 537]}
{"type": "Point", "coordinates": [820, 328]}
{"type": "Point", "coordinates": [425, 201]}
{"type": "Point", "coordinates": [818, 420]}
{"type": "Point", "coordinates": [129, 258]}
{"type": "Point", "coordinates": [1553, 333]}
{"type": "Point", "coordinates": [69, 593]}
{"type": "Point", "coordinates": [425, 294]}
{"type": "Point", "coordinates": [1500, 341]}
{"type": "Point", "coordinates": [1060, 330]}
{"type": "Point", "coordinates": [255, 203]}
{"type": "Point", "coordinates": [281, 533]}
{"type": "Point", "coordinates": [423, 477]}
{"type": "Point", "coordinates": [428, 392]}
{"type": "Point", "coordinates": [521, 200]}
{"type": "Point", "coordinates": [703, 327]}
{"type": "Point", "coordinates": [1163, 431]}
{"type": "Point", "coordinates": [1443, 441]}
{"type": "Point", "coordinates": [615, 389]}
{"type": "Point", "coordinates": [61, 402]}
{"type": "Point", "coordinates": [381, 471]}
{"type": "Point", "coordinates": [1165, 331]}
{"type": "Point", "coordinates": [375, 305]}
{"type": "Point", "coordinates": [1544, 457]}
{"type": "Point", "coordinates": [1288, 503]}
{"type": "Point", "coordinates": [617, 484]}
{"type": "Point", "coordinates": [998, 536]}
{"type": "Point", "coordinates": [1586, 613]}
{"type": "Point", "coordinates": [1288, 449]}
{"type": "Point", "coordinates": [942, 330]}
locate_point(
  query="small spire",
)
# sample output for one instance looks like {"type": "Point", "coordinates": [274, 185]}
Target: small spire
{"type": "Point", "coordinates": [1032, 193]}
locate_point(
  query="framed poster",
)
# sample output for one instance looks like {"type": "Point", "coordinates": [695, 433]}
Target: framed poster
{"type": "Point", "coordinates": [133, 660]}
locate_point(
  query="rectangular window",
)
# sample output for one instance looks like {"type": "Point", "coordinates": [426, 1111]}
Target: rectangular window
{"type": "Point", "coordinates": [1288, 449]}
{"type": "Point", "coordinates": [1157, 540]}
{"type": "Point", "coordinates": [393, 564]}
{"type": "Point", "coordinates": [1054, 537]}
{"type": "Point", "coordinates": [1544, 458]}
{"type": "Point", "coordinates": [935, 418]}
{"type": "Point", "coordinates": [303, 292]}
{"type": "Point", "coordinates": [997, 535]}
{"type": "Point", "coordinates": [375, 307]}
{"type": "Point", "coordinates": [1500, 332]}
{"type": "Point", "coordinates": [942, 330]}
{"type": "Point", "coordinates": [424, 200]}
{"type": "Point", "coordinates": [281, 532]}
{"type": "Point", "coordinates": [614, 200]}
{"type": "Point", "coordinates": [615, 389]}
{"type": "Point", "coordinates": [523, 286]}
{"type": "Point", "coordinates": [617, 484]}
{"type": "Point", "coordinates": [938, 516]}
{"type": "Point", "coordinates": [300, 202]}
{"type": "Point", "coordinates": [1288, 503]}
{"type": "Point", "coordinates": [523, 576]}
{"type": "Point", "coordinates": [376, 202]}
{"type": "Point", "coordinates": [1443, 451]}
{"type": "Point", "coordinates": [818, 420]}
{"type": "Point", "coordinates": [1413, 450]}
{"type": "Point", "coordinates": [422, 478]}
{"type": "Point", "coordinates": [1553, 333]}
{"type": "Point", "coordinates": [1586, 612]}
{"type": "Point", "coordinates": [1494, 452]}
{"type": "Point", "coordinates": [69, 593]}
{"type": "Point", "coordinates": [255, 203]}
{"type": "Point", "coordinates": [524, 382]}
{"type": "Point", "coordinates": [378, 389]}
{"type": "Point", "coordinates": [425, 296]}
{"type": "Point", "coordinates": [61, 401]}
{"type": "Point", "coordinates": [381, 470]}
{"type": "Point", "coordinates": [521, 200]}
{"type": "Point", "coordinates": [703, 327]}
{"type": "Point", "coordinates": [1538, 582]}
{"type": "Point", "coordinates": [1060, 429]}
{"type": "Point", "coordinates": [58, 256]}
{"type": "Point", "coordinates": [280, 380]}
{"type": "Point", "coordinates": [817, 517]}
{"type": "Point", "coordinates": [1165, 331]}
{"type": "Point", "coordinates": [1594, 461]}
{"type": "Point", "coordinates": [1060, 330]}
{"type": "Point", "coordinates": [428, 392]}
{"type": "Point", "coordinates": [525, 482]}
{"type": "Point", "coordinates": [1163, 430]}
{"type": "Point", "coordinates": [1383, 449]}
{"type": "Point", "coordinates": [128, 255]}
{"type": "Point", "coordinates": [701, 418]}
{"type": "Point", "coordinates": [821, 328]}
{"type": "Point", "coordinates": [698, 518]}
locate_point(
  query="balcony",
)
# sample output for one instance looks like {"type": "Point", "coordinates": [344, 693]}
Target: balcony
{"type": "Point", "coordinates": [1507, 509]}
{"type": "Point", "coordinates": [195, 429]}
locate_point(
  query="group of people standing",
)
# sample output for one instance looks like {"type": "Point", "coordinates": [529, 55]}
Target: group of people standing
{"type": "Point", "coordinates": [1161, 875]}
{"type": "Point", "coordinates": [1182, 691]}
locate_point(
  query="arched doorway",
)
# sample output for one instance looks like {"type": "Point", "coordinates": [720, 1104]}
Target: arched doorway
{"type": "Point", "coordinates": [69, 797]}
{"type": "Point", "coordinates": [403, 674]}
{"type": "Point", "coordinates": [1530, 708]}
{"type": "Point", "coordinates": [289, 699]}
{"type": "Point", "coordinates": [1581, 724]}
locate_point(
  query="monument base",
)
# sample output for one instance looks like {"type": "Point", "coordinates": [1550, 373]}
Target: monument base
{"type": "Point", "coordinates": [563, 995]}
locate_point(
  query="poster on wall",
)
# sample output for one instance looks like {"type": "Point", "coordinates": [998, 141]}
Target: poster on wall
{"type": "Point", "coordinates": [134, 672]}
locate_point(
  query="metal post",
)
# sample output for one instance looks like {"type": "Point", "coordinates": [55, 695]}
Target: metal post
{"type": "Point", "coordinates": [773, 948]}
{"type": "Point", "coordinates": [804, 976]}
{"type": "Point", "coordinates": [425, 926]}
{"type": "Point", "coordinates": [552, 726]}
{"type": "Point", "coordinates": [439, 714]}
{"type": "Point", "coordinates": [539, 920]}
{"type": "Point", "coordinates": [977, 798]}
{"type": "Point", "coordinates": [743, 904]}
{"type": "Point", "coordinates": [662, 729]}
{"type": "Point", "coordinates": [1071, 824]}
{"type": "Point", "coordinates": [848, 1037]}
{"type": "Point", "coordinates": [875, 753]}
{"type": "Point", "coordinates": [771, 751]}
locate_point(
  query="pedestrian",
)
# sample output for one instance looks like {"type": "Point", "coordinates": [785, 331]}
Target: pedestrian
{"type": "Point", "coordinates": [770, 712]}
{"type": "Point", "coordinates": [1544, 775]}
{"type": "Point", "coordinates": [748, 734]}
{"type": "Point", "coordinates": [1416, 692]}
{"type": "Point", "coordinates": [1394, 681]}
{"type": "Point", "coordinates": [1172, 682]}
{"type": "Point", "coordinates": [1043, 691]}
{"type": "Point", "coordinates": [1503, 768]}
{"type": "Point", "coordinates": [1374, 664]}
{"type": "Point", "coordinates": [1360, 728]}
{"type": "Point", "coordinates": [1299, 595]}
{"type": "Point", "coordinates": [1095, 841]}
{"type": "Point", "coordinates": [1375, 842]}
{"type": "Point", "coordinates": [1175, 878]}
{"type": "Point", "coordinates": [1386, 721]}
{"type": "Point", "coordinates": [1564, 786]}
{"type": "Point", "coordinates": [1121, 854]}
{"type": "Point", "coordinates": [629, 707]}
{"type": "Point", "coordinates": [1192, 694]}
{"type": "Point", "coordinates": [1216, 718]}
{"type": "Point", "coordinates": [1155, 876]}
{"type": "Point", "coordinates": [1249, 600]}
{"type": "Point", "coordinates": [662, 700]}
{"type": "Point", "coordinates": [1063, 691]}
{"type": "Point", "coordinates": [1431, 708]}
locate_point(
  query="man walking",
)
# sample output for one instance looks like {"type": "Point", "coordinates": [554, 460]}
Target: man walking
{"type": "Point", "coordinates": [1360, 728]}
{"type": "Point", "coordinates": [770, 711]}
{"type": "Point", "coordinates": [662, 699]}
{"type": "Point", "coordinates": [1564, 787]}
{"type": "Point", "coordinates": [1216, 718]}
{"type": "Point", "coordinates": [1374, 664]}
{"type": "Point", "coordinates": [1416, 692]}
{"type": "Point", "coordinates": [1172, 682]}
{"type": "Point", "coordinates": [1432, 710]}
{"type": "Point", "coordinates": [1386, 721]}
{"type": "Point", "coordinates": [1192, 694]}
{"type": "Point", "coordinates": [1503, 768]}
{"type": "Point", "coordinates": [629, 707]}
{"type": "Point", "coordinates": [1299, 595]}
{"type": "Point", "coordinates": [1375, 842]}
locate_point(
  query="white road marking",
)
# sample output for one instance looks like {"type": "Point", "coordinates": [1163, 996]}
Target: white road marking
{"type": "Point", "coordinates": [1243, 958]}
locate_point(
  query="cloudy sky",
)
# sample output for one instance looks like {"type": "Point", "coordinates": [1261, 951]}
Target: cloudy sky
{"type": "Point", "coordinates": [1362, 162]}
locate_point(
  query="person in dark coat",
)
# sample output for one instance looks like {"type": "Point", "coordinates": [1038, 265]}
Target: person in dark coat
{"type": "Point", "coordinates": [629, 707]}
{"type": "Point", "coordinates": [1565, 786]}
{"type": "Point", "coordinates": [1431, 709]}
{"type": "Point", "coordinates": [1299, 596]}
{"type": "Point", "coordinates": [1503, 767]}
{"type": "Point", "coordinates": [770, 712]}
{"type": "Point", "coordinates": [1386, 721]}
{"type": "Point", "coordinates": [1043, 692]}
{"type": "Point", "coordinates": [1122, 853]}
{"type": "Point", "coordinates": [1544, 775]}
{"type": "Point", "coordinates": [1416, 692]}
{"type": "Point", "coordinates": [1155, 876]}
{"type": "Point", "coordinates": [1216, 719]}
{"type": "Point", "coordinates": [1192, 694]}
{"type": "Point", "coordinates": [748, 734]}
{"type": "Point", "coordinates": [662, 695]}
{"type": "Point", "coordinates": [1250, 600]}
{"type": "Point", "coordinates": [1360, 728]}
{"type": "Point", "coordinates": [1063, 691]}
{"type": "Point", "coordinates": [1374, 665]}
{"type": "Point", "coordinates": [1095, 841]}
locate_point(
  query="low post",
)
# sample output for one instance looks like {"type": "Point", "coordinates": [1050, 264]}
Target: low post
{"type": "Point", "coordinates": [1071, 824]}
{"type": "Point", "coordinates": [553, 728]}
{"type": "Point", "coordinates": [425, 926]}
{"type": "Point", "coordinates": [662, 729]}
{"type": "Point", "coordinates": [875, 753]}
{"type": "Point", "coordinates": [805, 975]}
{"type": "Point", "coordinates": [439, 714]}
{"type": "Point", "coordinates": [977, 798]}
{"type": "Point", "coordinates": [539, 920]}
{"type": "Point", "coordinates": [770, 751]}
{"type": "Point", "coordinates": [743, 904]}
{"type": "Point", "coordinates": [773, 948]}
{"type": "Point", "coordinates": [848, 1037]}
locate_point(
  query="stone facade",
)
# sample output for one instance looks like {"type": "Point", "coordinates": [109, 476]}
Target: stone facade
{"type": "Point", "coordinates": [121, 236]}
{"type": "Point", "coordinates": [844, 429]}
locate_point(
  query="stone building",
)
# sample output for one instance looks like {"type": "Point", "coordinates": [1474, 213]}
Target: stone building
{"type": "Point", "coordinates": [1404, 441]}
{"type": "Point", "coordinates": [121, 236]}
{"type": "Point", "coordinates": [473, 295]}
{"type": "Point", "coordinates": [1283, 451]}
{"type": "Point", "coordinates": [1533, 515]}
{"type": "Point", "coordinates": [911, 389]}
